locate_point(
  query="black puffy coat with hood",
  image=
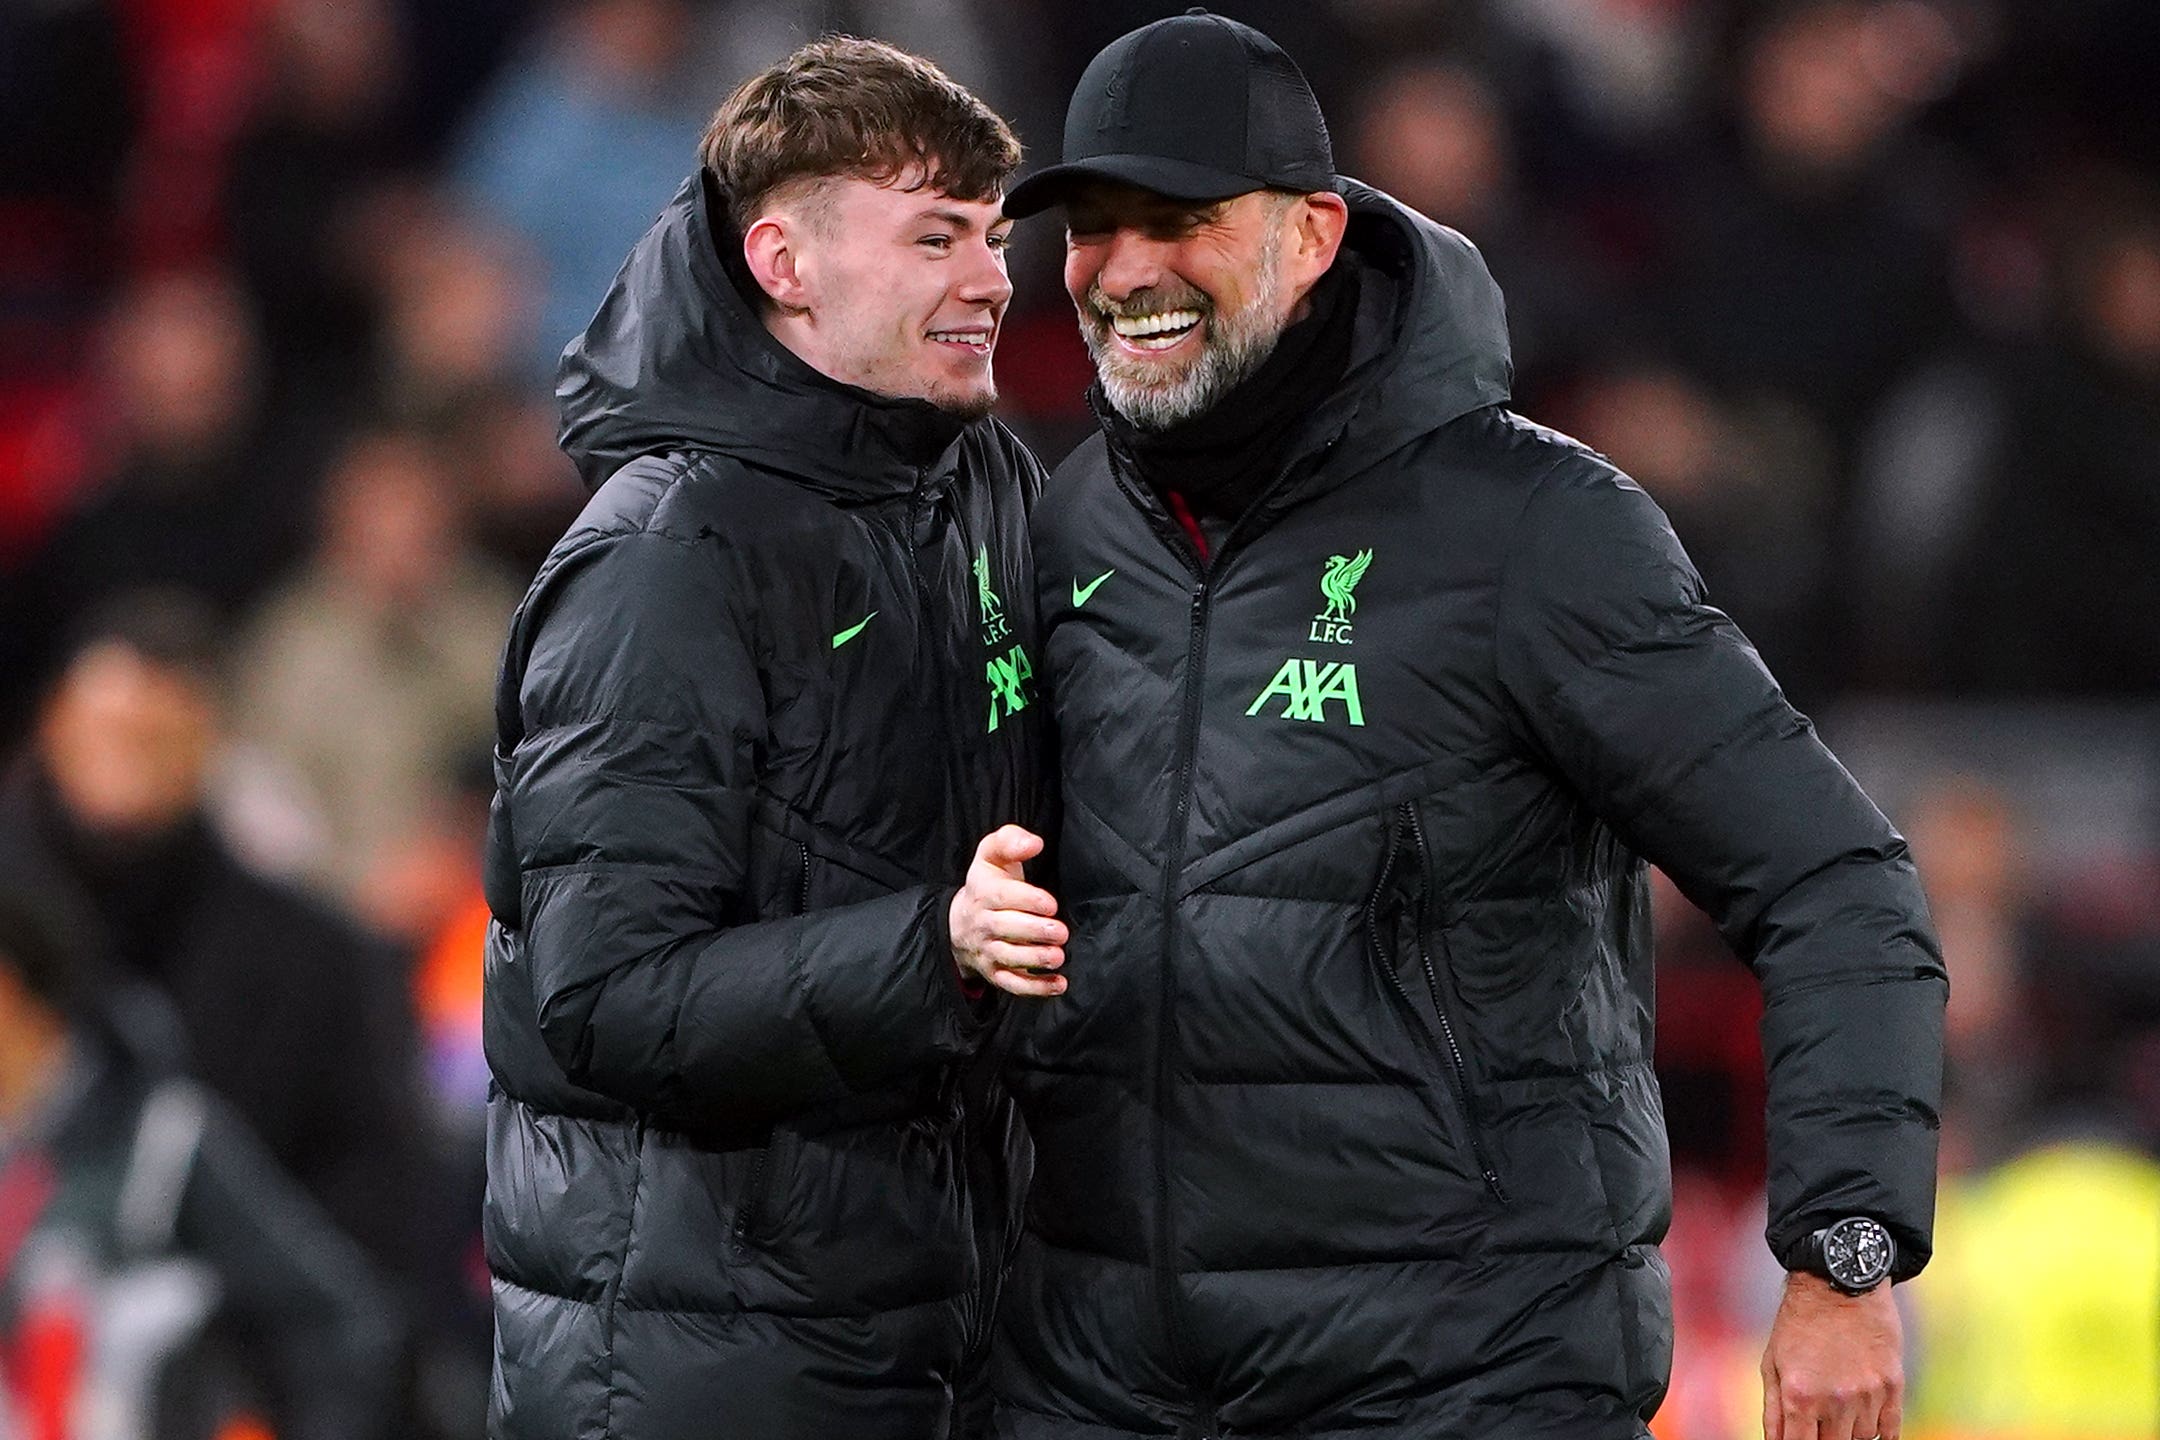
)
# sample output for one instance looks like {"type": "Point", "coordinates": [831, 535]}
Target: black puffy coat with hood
{"type": "Point", "coordinates": [755, 711]}
{"type": "Point", "coordinates": [1347, 1125]}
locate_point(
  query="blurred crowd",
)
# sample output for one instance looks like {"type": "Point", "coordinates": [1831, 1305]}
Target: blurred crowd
{"type": "Point", "coordinates": [1865, 292]}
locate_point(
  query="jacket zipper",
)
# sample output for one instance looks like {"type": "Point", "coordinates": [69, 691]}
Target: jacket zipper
{"type": "Point", "coordinates": [753, 1199]}
{"type": "Point", "coordinates": [1203, 1425]}
{"type": "Point", "coordinates": [1165, 1030]}
{"type": "Point", "coordinates": [1447, 1027]}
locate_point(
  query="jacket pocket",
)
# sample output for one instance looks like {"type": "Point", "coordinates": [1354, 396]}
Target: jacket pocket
{"type": "Point", "coordinates": [752, 1215]}
{"type": "Point", "coordinates": [1397, 924]}
{"type": "Point", "coordinates": [777, 881]}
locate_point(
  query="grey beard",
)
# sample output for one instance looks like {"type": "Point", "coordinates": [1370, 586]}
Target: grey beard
{"type": "Point", "coordinates": [1236, 346]}
{"type": "Point", "coordinates": [1229, 359]}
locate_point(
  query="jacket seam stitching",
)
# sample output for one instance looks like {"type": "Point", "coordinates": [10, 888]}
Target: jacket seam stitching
{"type": "Point", "coordinates": [1766, 728]}
{"type": "Point", "coordinates": [719, 1313]}
{"type": "Point", "coordinates": [574, 866]}
{"type": "Point", "coordinates": [615, 535]}
{"type": "Point", "coordinates": [1500, 584]}
{"type": "Point", "coordinates": [800, 975]}
{"type": "Point", "coordinates": [497, 1276]}
{"type": "Point", "coordinates": [622, 1268]}
{"type": "Point", "coordinates": [1853, 979]}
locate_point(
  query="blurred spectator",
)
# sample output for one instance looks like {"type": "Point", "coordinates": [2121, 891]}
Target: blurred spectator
{"type": "Point", "coordinates": [1337, 43]}
{"type": "Point", "coordinates": [314, 147]}
{"type": "Point", "coordinates": [284, 1008]}
{"type": "Point", "coordinates": [68, 117]}
{"type": "Point", "coordinates": [1917, 479]}
{"type": "Point", "coordinates": [1432, 133]}
{"type": "Point", "coordinates": [446, 981]}
{"type": "Point", "coordinates": [157, 1271]}
{"type": "Point", "coordinates": [1971, 852]}
{"type": "Point", "coordinates": [206, 488]}
{"type": "Point", "coordinates": [523, 490]}
{"type": "Point", "coordinates": [1709, 1052]}
{"type": "Point", "coordinates": [1628, 69]}
{"type": "Point", "coordinates": [66, 105]}
{"type": "Point", "coordinates": [576, 147]}
{"type": "Point", "coordinates": [193, 62]}
{"type": "Point", "coordinates": [1808, 266]}
{"type": "Point", "coordinates": [447, 997]}
{"type": "Point", "coordinates": [2078, 69]}
{"type": "Point", "coordinates": [1716, 1237]}
{"type": "Point", "coordinates": [2041, 1318]}
{"type": "Point", "coordinates": [456, 311]}
{"type": "Point", "coordinates": [2056, 590]}
{"type": "Point", "coordinates": [1747, 497]}
{"type": "Point", "coordinates": [368, 678]}
{"type": "Point", "coordinates": [450, 54]}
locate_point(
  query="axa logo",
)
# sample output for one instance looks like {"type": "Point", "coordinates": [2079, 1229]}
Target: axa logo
{"type": "Point", "coordinates": [1306, 686]}
{"type": "Point", "coordinates": [1338, 587]}
{"type": "Point", "coordinates": [1008, 675]}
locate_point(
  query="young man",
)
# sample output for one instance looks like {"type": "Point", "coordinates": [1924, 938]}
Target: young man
{"type": "Point", "coordinates": [1369, 696]}
{"type": "Point", "coordinates": [754, 710]}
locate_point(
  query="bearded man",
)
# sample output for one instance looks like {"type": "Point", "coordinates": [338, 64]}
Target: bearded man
{"type": "Point", "coordinates": [1372, 698]}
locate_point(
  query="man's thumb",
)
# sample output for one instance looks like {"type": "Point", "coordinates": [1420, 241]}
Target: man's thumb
{"type": "Point", "coordinates": [1008, 845]}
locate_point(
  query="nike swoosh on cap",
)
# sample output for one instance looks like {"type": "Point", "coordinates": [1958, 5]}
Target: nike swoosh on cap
{"type": "Point", "coordinates": [1081, 593]}
{"type": "Point", "coordinates": [853, 630]}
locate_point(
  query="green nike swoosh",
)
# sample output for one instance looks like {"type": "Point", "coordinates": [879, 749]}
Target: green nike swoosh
{"type": "Point", "coordinates": [1082, 592]}
{"type": "Point", "coordinates": [852, 631]}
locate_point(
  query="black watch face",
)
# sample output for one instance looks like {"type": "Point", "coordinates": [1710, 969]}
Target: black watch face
{"type": "Point", "coordinates": [1857, 1253]}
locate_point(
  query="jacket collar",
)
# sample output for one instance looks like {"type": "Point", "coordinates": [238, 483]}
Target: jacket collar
{"type": "Point", "coordinates": [1430, 345]}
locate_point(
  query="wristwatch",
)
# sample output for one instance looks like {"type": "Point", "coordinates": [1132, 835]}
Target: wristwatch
{"type": "Point", "coordinates": [1854, 1254]}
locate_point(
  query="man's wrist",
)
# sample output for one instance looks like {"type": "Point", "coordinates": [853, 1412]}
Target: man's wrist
{"type": "Point", "coordinates": [1853, 1255]}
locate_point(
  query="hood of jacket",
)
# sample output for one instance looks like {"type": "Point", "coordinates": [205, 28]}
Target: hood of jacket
{"type": "Point", "coordinates": [677, 359]}
{"type": "Point", "coordinates": [1432, 339]}
{"type": "Point", "coordinates": [1430, 345]}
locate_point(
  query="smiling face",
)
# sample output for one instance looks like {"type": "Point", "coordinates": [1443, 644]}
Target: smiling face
{"type": "Point", "coordinates": [898, 291]}
{"type": "Point", "coordinates": [1179, 302]}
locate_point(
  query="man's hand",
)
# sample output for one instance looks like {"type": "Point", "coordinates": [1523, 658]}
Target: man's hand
{"type": "Point", "coordinates": [1835, 1365]}
{"type": "Point", "coordinates": [1002, 927]}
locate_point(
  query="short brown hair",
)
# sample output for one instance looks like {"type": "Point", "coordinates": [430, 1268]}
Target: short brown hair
{"type": "Point", "coordinates": [844, 107]}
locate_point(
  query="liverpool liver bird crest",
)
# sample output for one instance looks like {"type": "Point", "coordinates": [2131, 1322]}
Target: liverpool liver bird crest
{"type": "Point", "coordinates": [1340, 579]}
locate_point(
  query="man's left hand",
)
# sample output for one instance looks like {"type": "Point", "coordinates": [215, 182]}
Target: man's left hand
{"type": "Point", "coordinates": [1835, 1365]}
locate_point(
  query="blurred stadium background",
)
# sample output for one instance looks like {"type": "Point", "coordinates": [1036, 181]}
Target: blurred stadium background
{"type": "Point", "coordinates": [1865, 292]}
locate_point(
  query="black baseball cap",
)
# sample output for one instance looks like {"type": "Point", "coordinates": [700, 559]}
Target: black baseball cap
{"type": "Point", "coordinates": [1196, 107]}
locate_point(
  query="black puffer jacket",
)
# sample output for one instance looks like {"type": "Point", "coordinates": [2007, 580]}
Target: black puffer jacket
{"type": "Point", "coordinates": [756, 709]}
{"type": "Point", "coordinates": [1347, 1125]}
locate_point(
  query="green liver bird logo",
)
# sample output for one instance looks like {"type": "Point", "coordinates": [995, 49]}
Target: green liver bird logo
{"type": "Point", "coordinates": [1339, 582]}
{"type": "Point", "coordinates": [992, 608]}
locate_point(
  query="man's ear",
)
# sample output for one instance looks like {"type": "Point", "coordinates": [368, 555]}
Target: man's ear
{"type": "Point", "coordinates": [772, 250]}
{"type": "Point", "coordinates": [1316, 233]}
